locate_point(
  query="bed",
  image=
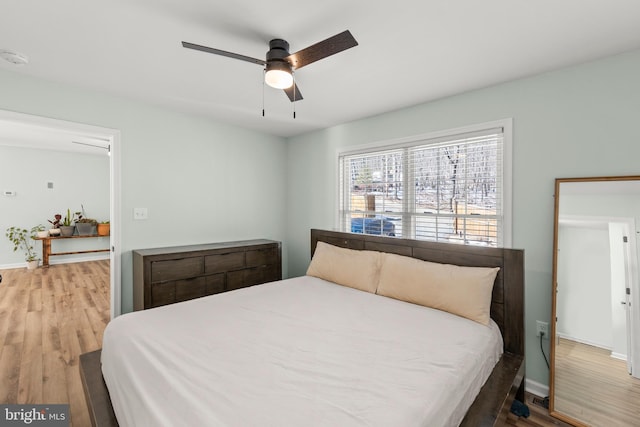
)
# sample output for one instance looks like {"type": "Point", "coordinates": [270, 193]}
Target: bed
{"type": "Point", "coordinates": [307, 351]}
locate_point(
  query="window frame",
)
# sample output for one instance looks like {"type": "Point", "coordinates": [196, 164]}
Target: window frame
{"type": "Point", "coordinates": [435, 137]}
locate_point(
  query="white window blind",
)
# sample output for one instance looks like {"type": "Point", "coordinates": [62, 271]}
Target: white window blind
{"type": "Point", "coordinates": [444, 189]}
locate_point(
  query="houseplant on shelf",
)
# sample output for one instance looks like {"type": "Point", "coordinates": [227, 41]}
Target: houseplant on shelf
{"type": "Point", "coordinates": [21, 239]}
{"type": "Point", "coordinates": [85, 226]}
{"type": "Point", "coordinates": [66, 226]}
{"type": "Point", "coordinates": [104, 228]}
{"type": "Point", "coordinates": [55, 229]}
{"type": "Point", "coordinates": [41, 232]}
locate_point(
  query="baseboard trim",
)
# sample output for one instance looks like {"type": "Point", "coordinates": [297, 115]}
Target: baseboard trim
{"type": "Point", "coordinates": [536, 388]}
{"type": "Point", "coordinates": [98, 257]}
{"type": "Point", "coordinates": [583, 341]}
{"type": "Point", "coordinates": [10, 266]}
{"type": "Point", "coordinates": [619, 356]}
{"type": "Point", "coordinates": [52, 261]}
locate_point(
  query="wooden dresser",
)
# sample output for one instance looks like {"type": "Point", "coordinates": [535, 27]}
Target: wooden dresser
{"type": "Point", "coordinates": [167, 275]}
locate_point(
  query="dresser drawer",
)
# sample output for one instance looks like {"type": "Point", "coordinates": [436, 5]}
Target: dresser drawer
{"type": "Point", "coordinates": [235, 280]}
{"type": "Point", "coordinates": [262, 257]}
{"type": "Point", "coordinates": [163, 294]}
{"type": "Point", "coordinates": [262, 274]}
{"type": "Point", "coordinates": [215, 283]}
{"type": "Point", "coordinates": [219, 263]}
{"type": "Point", "coordinates": [174, 269]}
{"type": "Point", "coordinates": [252, 276]}
{"type": "Point", "coordinates": [190, 289]}
{"type": "Point", "coordinates": [271, 273]}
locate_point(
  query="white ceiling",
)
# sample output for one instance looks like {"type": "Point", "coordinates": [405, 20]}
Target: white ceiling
{"type": "Point", "coordinates": [409, 52]}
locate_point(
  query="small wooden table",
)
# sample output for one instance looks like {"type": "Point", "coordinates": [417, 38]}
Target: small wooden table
{"type": "Point", "coordinates": [46, 247]}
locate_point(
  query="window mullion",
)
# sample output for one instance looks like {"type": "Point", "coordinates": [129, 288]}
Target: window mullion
{"type": "Point", "coordinates": [465, 188]}
{"type": "Point", "coordinates": [409, 190]}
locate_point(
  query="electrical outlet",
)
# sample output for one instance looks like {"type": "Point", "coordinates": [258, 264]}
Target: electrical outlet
{"type": "Point", "coordinates": [542, 327]}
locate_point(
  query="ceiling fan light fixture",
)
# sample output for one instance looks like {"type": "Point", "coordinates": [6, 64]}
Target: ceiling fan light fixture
{"type": "Point", "coordinates": [278, 75]}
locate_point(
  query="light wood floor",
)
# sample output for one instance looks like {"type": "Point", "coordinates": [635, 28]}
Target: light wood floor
{"type": "Point", "coordinates": [48, 317]}
{"type": "Point", "coordinates": [595, 388]}
{"type": "Point", "coordinates": [539, 416]}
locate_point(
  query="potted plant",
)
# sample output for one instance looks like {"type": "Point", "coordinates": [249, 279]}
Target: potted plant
{"type": "Point", "coordinates": [104, 228]}
{"type": "Point", "coordinates": [55, 229]}
{"type": "Point", "coordinates": [41, 232]}
{"type": "Point", "coordinates": [21, 239]}
{"type": "Point", "coordinates": [66, 226]}
{"type": "Point", "coordinates": [85, 226]}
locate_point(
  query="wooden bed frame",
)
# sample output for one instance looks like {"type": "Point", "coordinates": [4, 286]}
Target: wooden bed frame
{"type": "Point", "coordinates": [506, 382]}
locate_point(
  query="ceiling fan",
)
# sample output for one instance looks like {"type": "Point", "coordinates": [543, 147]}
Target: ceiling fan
{"type": "Point", "coordinates": [280, 64]}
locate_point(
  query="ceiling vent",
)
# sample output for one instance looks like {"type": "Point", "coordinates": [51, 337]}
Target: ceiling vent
{"type": "Point", "coordinates": [14, 57]}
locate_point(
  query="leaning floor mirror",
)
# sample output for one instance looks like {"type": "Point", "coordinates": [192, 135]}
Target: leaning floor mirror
{"type": "Point", "coordinates": [595, 338]}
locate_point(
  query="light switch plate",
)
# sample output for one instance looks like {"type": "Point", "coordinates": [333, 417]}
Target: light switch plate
{"type": "Point", "coordinates": [140, 213]}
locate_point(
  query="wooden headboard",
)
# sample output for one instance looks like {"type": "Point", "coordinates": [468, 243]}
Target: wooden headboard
{"type": "Point", "coordinates": [507, 302]}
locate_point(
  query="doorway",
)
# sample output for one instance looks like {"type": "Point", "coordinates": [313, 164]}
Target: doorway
{"type": "Point", "coordinates": [599, 260]}
{"type": "Point", "coordinates": [60, 130]}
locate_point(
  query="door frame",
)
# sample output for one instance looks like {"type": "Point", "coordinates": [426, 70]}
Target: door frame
{"type": "Point", "coordinates": [113, 138]}
{"type": "Point", "coordinates": [633, 300]}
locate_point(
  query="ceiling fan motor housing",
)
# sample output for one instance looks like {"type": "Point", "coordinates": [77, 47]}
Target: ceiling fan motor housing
{"type": "Point", "coordinates": [278, 51]}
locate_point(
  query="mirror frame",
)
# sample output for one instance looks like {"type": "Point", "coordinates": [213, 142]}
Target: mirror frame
{"type": "Point", "coordinates": [554, 288]}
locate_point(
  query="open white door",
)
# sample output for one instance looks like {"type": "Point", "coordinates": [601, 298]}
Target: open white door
{"type": "Point", "coordinates": [630, 299]}
{"type": "Point", "coordinates": [627, 300]}
{"type": "Point", "coordinates": [624, 274]}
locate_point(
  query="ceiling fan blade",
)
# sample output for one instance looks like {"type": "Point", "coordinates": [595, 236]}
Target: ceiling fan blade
{"type": "Point", "coordinates": [321, 50]}
{"type": "Point", "coordinates": [290, 93]}
{"type": "Point", "coordinates": [223, 53]}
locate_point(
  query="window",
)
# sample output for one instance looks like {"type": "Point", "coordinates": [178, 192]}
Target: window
{"type": "Point", "coordinates": [447, 188]}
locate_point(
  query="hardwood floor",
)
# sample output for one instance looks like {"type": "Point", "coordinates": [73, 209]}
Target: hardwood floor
{"type": "Point", "coordinates": [595, 388]}
{"type": "Point", "coordinates": [48, 317]}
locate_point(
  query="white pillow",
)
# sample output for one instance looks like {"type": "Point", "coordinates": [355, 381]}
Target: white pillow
{"type": "Point", "coordinates": [347, 267]}
{"type": "Point", "coordinates": [465, 291]}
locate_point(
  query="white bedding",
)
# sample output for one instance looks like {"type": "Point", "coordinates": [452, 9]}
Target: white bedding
{"type": "Point", "coordinates": [299, 352]}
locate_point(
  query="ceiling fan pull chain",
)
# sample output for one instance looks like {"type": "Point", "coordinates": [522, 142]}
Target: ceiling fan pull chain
{"type": "Point", "coordinates": [294, 94]}
{"type": "Point", "coordinates": [263, 93]}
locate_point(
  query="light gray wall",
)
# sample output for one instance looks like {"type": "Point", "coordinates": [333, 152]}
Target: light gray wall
{"type": "Point", "coordinates": [201, 180]}
{"type": "Point", "coordinates": [578, 121]}
{"type": "Point", "coordinates": [78, 179]}
{"type": "Point", "coordinates": [583, 304]}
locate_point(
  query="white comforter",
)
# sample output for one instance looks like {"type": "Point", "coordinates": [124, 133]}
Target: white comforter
{"type": "Point", "coordinates": [299, 352]}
